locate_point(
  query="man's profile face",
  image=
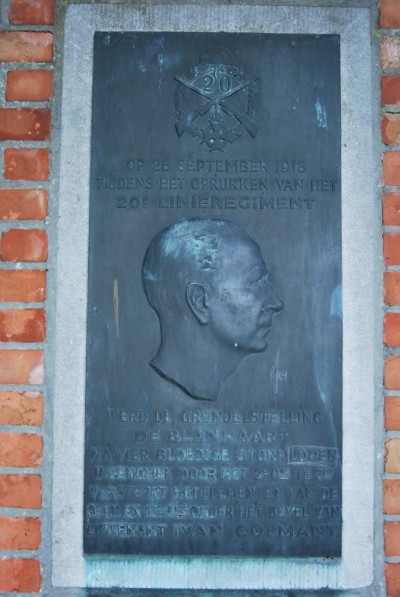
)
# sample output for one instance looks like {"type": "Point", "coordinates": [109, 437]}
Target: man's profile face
{"type": "Point", "coordinates": [241, 301]}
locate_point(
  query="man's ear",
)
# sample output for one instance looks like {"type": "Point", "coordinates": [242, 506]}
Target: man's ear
{"type": "Point", "coordinates": [196, 297]}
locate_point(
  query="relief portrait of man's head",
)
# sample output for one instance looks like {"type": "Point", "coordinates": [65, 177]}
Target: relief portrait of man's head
{"type": "Point", "coordinates": [207, 281]}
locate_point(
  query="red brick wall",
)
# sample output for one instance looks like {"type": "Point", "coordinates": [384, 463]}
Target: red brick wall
{"type": "Point", "coordinates": [26, 54]}
{"type": "Point", "coordinates": [390, 100]}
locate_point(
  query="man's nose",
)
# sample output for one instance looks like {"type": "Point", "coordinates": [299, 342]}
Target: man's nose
{"type": "Point", "coordinates": [273, 302]}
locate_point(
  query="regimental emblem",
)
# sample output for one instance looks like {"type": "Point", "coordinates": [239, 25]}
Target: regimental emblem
{"type": "Point", "coordinates": [216, 102]}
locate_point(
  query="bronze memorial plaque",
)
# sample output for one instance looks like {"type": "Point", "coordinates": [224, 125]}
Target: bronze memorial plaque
{"type": "Point", "coordinates": [214, 333]}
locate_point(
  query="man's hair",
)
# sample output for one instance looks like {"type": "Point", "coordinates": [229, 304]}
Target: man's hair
{"type": "Point", "coordinates": [185, 252]}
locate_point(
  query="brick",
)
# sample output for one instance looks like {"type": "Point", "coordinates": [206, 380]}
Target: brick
{"type": "Point", "coordinates": [390, 89]}
{"type": "Point", "coordinates": [392, 372]}
{"type": "Point", "coordinates": [20, 532]}
{"type": "Point", "coordinates": [23, 245]}
{"type": "Point", "coordinates": [392, 413]}
{"type": "Point", "coordinates": [24, 124]}
{"type": "Point", "coordinates": [391, 209]}
{"type": "Point", "coordinates": [391, 329]}
{"type": "Point", "coordinates": [26, 164]}
{"type": "Point", "coordinates": [392, 288]}
{"type": "Point", "coordinates": [392, 455]}
{"type": "Point", "coordinates": [389, 13]}
{"type": "Point", "coordinates": [31, 12]}
{"type": "Point", "coordinates": [392, 576]}
{"type": "Point", "coordinates": [391, 496]}
{"type": "Point", "coordinates": [391, 129]}
{"type": "Point", "coordinates": [390, 51]}
{"type": "Point", "coordinates": [21, 575]}
{"type": "Point", "coordinates": [20, 491]}
{"type": "Point", "coordinates": [21, 449]}
{"type": "Point", "coordinates": [26, 46]}
{"type": "Point", "coordinates": [23, 204]}
{"type": "Point", "coordinates": [26, 286]}
{"type": "Point", "coordinates": [21, 408]}
{"type": "Point", "coordinates": [391, 531]}
{"type": "Point", "coordinates": [391, 249]}
{"type": "Point", "coordinates": [21, 366]}
{"type": "Point", "coordinates": [391, 168]}
{"type": "Point", "coordinates": [22, 325]}
{"type": "Point", "coordinates": [29, 85]}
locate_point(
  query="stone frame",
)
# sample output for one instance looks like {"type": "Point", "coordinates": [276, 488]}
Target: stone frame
{"type": "Point", "coordinates": [355, 569]}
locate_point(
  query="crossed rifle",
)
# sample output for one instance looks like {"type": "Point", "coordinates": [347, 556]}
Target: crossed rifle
{"type": "Point", "coordinates": [185, 122]}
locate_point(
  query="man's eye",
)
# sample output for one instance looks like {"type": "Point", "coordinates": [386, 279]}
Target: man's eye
{"type": "Point", "coordinates": [260, 279]}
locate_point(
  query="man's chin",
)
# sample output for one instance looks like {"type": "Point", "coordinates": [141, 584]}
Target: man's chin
{"type": "Point", "coordinates": [257, 347]}
{"type": "Point", "coordinates": [262, 348]}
